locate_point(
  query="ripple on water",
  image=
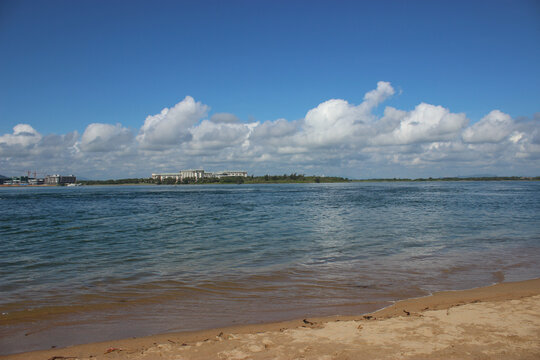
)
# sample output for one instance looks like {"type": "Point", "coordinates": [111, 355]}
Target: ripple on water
{"type": "Point", "coordinates": [211, 255]}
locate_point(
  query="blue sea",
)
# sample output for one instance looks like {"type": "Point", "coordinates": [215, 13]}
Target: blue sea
{"type": "Point", "coordinates": [84, 264]}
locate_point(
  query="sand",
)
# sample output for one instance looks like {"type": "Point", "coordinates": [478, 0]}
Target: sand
{"type": "Point", "coordinates": [495, 322]}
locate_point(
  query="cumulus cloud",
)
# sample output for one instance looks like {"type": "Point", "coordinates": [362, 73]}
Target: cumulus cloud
{"type": "Point", "coordinates": [104, 137]}
{"type": "Point", "coordinates": [426, 123]}
{"type": "Point", "coordinates": [171, 126]}
{"type": "Point", "coordinates": [53, 144]}
{"type": "Point", "coordinates": [334, 137]}
{"type": "Point", "coordinates": [26, 149]}
{"type": "Point", "coordinates": [374, 97]}
{"type": "Point", "coordinates": [336, 122]}
{"type": "Point", "coordinates": [331, 123]}
{"type": "Point", "coordinates": [279, 128]}
{"type": "Point", "coordinates": [492, 128]}
{"type": "Point", "coordinates": [23, 136]}
{"type": "Point", "coordinates": [211, 136]}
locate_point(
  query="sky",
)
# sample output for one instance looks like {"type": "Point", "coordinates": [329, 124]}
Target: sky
{"type": "Point", "coordinates": [118, 89]}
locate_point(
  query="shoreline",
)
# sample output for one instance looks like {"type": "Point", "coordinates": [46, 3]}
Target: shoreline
{"type": "Point", "coordinates": [271, 182]}
{"type": "Point", "coordinates": [227, 341]}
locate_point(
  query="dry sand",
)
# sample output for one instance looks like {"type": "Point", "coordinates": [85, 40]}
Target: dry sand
{"type": "Point", "coordinates": [494, 322]}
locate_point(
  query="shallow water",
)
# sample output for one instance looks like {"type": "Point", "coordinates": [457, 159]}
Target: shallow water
{"type": "Point", "coordinates": [93, 263]}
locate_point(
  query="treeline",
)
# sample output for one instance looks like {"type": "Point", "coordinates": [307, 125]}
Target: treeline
{"type": "Point", "coordinates": [266, 179]}
{"type": "Point", "coordinates": [117, 181]}
{"type": "Point", "coordinates": [294, 178]}
{"type": "Point", "coordinates": [224, 180]}
{"type": "Point", "coordinates": [291, 178]}
{"type": "Point", "coordinates": [481, 178]}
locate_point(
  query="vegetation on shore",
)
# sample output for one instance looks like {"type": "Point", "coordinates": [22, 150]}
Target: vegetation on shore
{"type": "Point", "coordinates": [266, 179]}
{"type": "Point", "coordinates": [287, 179]}
{"type": "Point", "coordinates": [478, 178]}
{"type": "Point", "coordinates": [130, 181]}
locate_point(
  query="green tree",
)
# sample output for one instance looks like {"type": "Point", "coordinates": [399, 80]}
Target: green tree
{"type": "Point", "coordinates": [169, 181]}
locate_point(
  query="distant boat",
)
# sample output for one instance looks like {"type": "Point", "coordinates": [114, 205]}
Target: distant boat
{"type": "Point", "coordinates": [74, 184]}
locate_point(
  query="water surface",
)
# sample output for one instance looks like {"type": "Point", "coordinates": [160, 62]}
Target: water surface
{"type": "Point", "coordinates": [93, 263]}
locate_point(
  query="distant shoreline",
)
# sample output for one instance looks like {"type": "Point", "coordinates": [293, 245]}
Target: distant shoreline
{"type": "Point", "coordinates": [494, 178]}
{"type": "Point", "coordinates": [307, 180]}
{"type": "Point", "coordinates": [313, 180]}
{"type": "Point", "coordinates": [17, 185]}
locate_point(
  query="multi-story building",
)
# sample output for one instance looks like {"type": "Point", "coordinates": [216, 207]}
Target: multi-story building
{"type": "Point", "coordinates": [60, 179]}
{"type": "Point", "coordinates": [36, 181]}
{"type": "Point", "coordinates": [228, 173]}
{"type": "Point", "coordinates": [163, 176]}
{"type": "Point", "coordinates": [181, 175]}
{"type": "Point", "coordinates": [192, 174]}
{"type": "Point", "coordinates": [196, 175]}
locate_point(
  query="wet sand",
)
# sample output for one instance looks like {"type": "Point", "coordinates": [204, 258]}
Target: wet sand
{"type": "Point", "coordinates": [495, 322]}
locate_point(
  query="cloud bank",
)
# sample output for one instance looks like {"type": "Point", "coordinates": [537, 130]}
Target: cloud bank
{"type": "Point", "coordinates": [334, 138]}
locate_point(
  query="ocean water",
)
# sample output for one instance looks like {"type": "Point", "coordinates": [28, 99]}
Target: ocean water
{"type": "Point", "coordinates": [95, 263]}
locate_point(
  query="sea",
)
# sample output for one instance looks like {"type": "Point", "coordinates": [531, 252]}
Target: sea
{"type": "Point", "coordinates": [94, 263]}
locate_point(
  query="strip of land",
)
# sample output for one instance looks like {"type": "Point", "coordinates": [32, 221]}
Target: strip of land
{"type": "Point", "coordinates": [495, 322]}
{"type": "Point", "coordinates": [292, 179]}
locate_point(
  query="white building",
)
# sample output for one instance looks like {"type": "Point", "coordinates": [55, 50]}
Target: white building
{"type": "Point", "coordinates": [192, 174]}
{"type": "Point", "coordinates": [163, 176]}
{"type": "Point", "coordinates": [228, 173]}
{"type": "Point", "coordinates": [60, 179]}
{"type": "Point", "coordinates": [197, 174]}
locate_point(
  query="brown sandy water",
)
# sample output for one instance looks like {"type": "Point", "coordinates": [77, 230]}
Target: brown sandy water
{"type": "Point", "coordinates": [448, 325]}
{"type": "Point", "coordinates": [169, 306]}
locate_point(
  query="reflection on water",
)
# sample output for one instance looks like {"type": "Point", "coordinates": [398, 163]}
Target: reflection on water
{"type": "Point", "coordinates": [140, 260]}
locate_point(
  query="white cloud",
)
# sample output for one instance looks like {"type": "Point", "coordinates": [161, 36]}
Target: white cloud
{"type": "Point", "coordinates": [331, 123]}
{"type": "Point", "coordinates": [211, 136]}
{"type": "Point", "coordinates": [272, 129]}
{"type": "Point", "coordinates": [171, 126]}
{"type": "Point", "coordinates": [104, 137]}
{"type": "Point", "coordinates": [492, 128]}
{"type": "Point", "coordinates": [374, 97]}
{"type": "Point", "coordinates": [338, 123]}
{"type": "Point", "coordinates": [334, 137]}
{"type": "Point", "coordinates": [23, 135]}
{"type": "Point", "coordinates": [426, 123]}
{"type": "Point", "coordinates": [27, 149]}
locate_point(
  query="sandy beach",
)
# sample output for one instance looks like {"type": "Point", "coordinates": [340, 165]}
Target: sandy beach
{"type": "Point", "coordinates": [496, 322]}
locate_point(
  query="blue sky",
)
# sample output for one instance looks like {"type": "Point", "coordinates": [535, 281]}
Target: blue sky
{"type": "Point", "coordinates": [68, 64]}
